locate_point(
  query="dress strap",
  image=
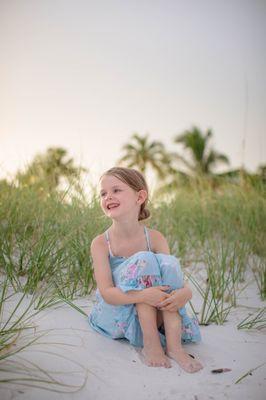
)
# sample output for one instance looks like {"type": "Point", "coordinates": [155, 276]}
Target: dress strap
{"type": "Point", "coordinates": [147, 238]}
{"type": "Point", "coordinates": [106, 234]}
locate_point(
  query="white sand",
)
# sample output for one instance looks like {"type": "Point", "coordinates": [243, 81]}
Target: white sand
{"type": "Point", "coordinates": [115, 371]}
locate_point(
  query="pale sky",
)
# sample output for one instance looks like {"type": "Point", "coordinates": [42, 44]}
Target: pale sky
{"type": "Point", "coordinates": [85, 75]}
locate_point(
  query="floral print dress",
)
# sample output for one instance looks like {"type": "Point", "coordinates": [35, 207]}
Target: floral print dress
{"type": "Point", "coordinates": [142, 270]}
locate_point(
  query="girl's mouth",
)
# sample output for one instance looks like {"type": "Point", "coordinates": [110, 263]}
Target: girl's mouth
{"type": "Point", "coordinates": [111, 206]}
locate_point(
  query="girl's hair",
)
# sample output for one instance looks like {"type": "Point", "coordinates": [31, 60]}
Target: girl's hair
{"type": "Point", "coordinates": [136, 181]}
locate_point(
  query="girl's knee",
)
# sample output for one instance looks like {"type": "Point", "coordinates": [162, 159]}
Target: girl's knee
{"type": "Point", "coordinates": [146, 258]}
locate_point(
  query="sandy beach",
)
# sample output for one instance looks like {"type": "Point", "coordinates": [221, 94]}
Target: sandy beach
{"type": "Point", "coordinates": [103, 369]}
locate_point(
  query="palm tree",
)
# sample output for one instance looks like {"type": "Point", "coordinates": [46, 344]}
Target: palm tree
{"type": "Point", "coordinates": [202, 157]}
{"type": "Point", "coordinates": [141, 154]}
{"type": "Point", "coordinates": [49, 168]}
{"type": "Point", "coordinates": [261, 171]}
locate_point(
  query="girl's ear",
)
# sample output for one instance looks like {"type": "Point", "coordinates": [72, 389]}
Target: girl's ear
{"type": "Point", "coordinates": [142, 196]}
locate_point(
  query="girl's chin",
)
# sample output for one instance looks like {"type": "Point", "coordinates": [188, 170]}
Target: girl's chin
{"type": "Point", "coordinates": [112, 211]}
{"type": "Point", "coordinates": [115, 214]}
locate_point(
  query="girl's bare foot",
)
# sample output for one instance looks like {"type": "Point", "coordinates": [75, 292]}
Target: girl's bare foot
{"type": "Point", "coordinates": [155, 357]}
{"type": "Point", "coordinates": [184, 360]}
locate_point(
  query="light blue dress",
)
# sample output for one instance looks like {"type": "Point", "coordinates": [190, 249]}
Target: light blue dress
{"type": "Point", "coordinates": [142, 270]}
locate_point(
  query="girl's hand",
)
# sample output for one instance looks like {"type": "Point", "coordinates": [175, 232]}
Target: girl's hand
{"type": "Point", "coordinates": [177, 299]}
{"type": "Point", "coordinates": [155, 295]}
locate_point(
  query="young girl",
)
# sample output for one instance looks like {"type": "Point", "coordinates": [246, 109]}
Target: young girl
{"type": "Point", "coordinates": [140, 294]}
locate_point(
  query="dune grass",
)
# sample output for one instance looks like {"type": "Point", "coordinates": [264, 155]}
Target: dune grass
{"type": "Point", "coordinates": [224, 232]}
{"type": "Point", "coordinates": [45, 241]}
{"type": "Point", "coordinates": [18, 335]}
{"type": "Point", "coordinates": [14, 322]}
{"type": "Point", "coordinates": [254, 321]}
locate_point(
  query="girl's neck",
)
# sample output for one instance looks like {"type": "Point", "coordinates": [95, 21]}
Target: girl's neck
{"type": "Point", "coordinates": [126, 228]}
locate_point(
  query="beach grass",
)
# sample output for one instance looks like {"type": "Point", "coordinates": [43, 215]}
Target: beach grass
{"type": "Point", "coordinates": [223, 233]}
{"type": "Point", "coordinates": [19, 334]}
{"type": "Point", "coordinates": [45, 240]}
{"type": "Point", "coordinates": [256, 320]}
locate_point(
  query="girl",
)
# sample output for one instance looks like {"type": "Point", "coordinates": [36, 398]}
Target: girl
{"type": "Point", "coordinates": [140, 294]}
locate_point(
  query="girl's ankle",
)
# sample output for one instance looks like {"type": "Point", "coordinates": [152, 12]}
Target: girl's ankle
{"type": "Point", "coordinates": [174, 349]}
{"type": "Point", "coordinates": [152, 342]}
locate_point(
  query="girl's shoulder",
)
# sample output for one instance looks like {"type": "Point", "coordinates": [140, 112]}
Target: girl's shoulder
{"type": "Point", "coordinates": [99, 243]}
{"type": "Point", "coordinates": [154, 234]}
{"type": "Point", "coordinates": [158, 242]}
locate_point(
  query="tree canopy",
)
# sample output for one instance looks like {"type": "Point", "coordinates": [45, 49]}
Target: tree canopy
{"type": "Point", "coordinates": [202, 158]}
{"type": "Point", "coordinates": [141, 153]}
{"type": "Point", "coordinates": [48, 169]}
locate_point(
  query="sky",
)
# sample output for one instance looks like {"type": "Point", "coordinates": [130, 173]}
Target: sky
{"type": "Point", "coordinates": [85, 75]}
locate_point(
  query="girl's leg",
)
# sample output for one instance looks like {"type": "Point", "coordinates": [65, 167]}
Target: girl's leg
{"type": "Point", "coordinates": [152, 351]}
{"type": "Point", "coordinates": [174, 349]}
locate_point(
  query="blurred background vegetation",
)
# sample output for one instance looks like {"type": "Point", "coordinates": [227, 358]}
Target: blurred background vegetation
{"type": "Point", "coordinates": [195, 164]}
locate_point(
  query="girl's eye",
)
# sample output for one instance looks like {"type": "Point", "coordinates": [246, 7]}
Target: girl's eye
{"type": "Point", "coordinates": [102, 194]}
{"type": "Point", "coordinates": [117, 190]}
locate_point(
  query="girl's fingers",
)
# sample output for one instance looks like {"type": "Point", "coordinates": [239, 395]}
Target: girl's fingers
{"type": "Point", "coordinates": [164, 303]}
{"type": "Point", "coordinates": [164, 287]}
{"type": "Point", "coordinates": [169, 308]}
{"type": "Point", "coordinates": [165, 296]}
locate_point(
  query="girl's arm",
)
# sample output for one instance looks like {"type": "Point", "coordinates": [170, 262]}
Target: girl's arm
{"type": "Point", "coordinates": [110, 293]}
{"type": "Point", "coordinates": [178, 297]}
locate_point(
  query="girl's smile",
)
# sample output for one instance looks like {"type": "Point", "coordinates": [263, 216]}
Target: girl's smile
{"type": "Point", "coordinates": [112, 205]}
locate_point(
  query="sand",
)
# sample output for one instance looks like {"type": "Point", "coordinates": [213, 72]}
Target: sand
{"type": "Point", "coordinates": [112, 370]}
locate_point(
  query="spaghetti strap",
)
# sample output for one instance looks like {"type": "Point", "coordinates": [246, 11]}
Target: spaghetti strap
{"type": "Point", "coordinates": [106, 234]}
{"type": "Point", "coordinates": [147, 238]}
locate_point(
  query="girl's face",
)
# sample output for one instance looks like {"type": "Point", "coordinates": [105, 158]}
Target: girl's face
{"type": "Point", "coordinates": [118, 199]}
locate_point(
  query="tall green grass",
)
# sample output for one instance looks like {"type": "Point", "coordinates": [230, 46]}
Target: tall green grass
{"type": "Point", "coordinates": [225, 232]}
{"type": "Point", "coordinates": [45, 241]}
{"type": "Point", "coordinates": [18, 334]}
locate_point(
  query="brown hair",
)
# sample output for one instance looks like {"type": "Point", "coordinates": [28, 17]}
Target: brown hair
{"type": "Point", "coordinates": [136, 181]}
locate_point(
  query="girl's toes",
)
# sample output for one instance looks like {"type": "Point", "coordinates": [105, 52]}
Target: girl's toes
{"type": "Point", "coordinates": [190, 368]}
{"type": "Point", "coordinates": [197, 366]}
